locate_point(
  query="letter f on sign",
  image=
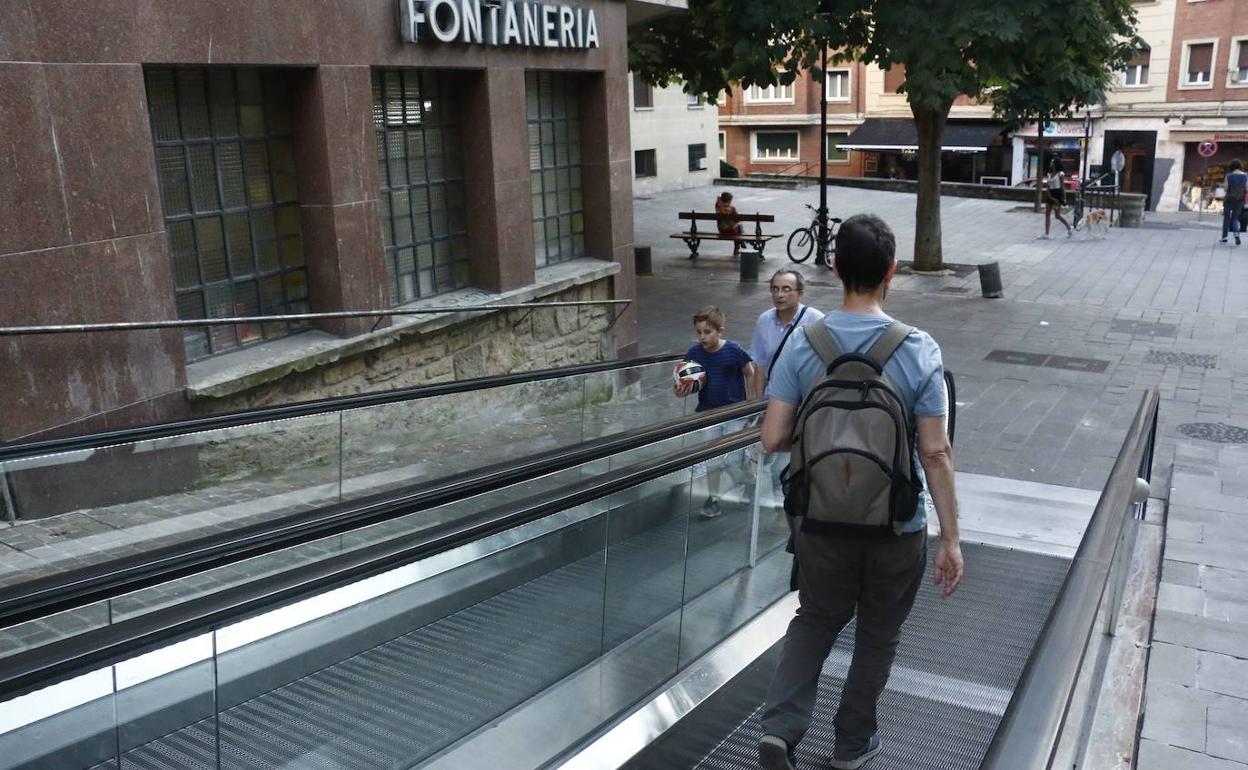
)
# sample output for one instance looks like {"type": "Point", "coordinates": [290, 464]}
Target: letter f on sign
{"type": "Point", "coordinates": [411, 17]}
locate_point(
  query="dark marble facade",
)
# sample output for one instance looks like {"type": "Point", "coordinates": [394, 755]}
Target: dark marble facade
{"type": "Point", "coordinates": [81, 227]}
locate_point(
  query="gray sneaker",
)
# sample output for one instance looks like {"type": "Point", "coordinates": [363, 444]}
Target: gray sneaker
{"type": "Point", "coordinates": [774, 754]}
{"type": "Point", "coordinates": [841, 762]}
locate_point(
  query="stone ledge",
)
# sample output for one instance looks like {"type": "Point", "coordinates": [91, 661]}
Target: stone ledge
{"type": "Point", "coordinates": [246, 369]}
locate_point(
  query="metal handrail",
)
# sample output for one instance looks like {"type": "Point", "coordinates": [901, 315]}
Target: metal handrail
{"type": "Point", "coordinates": [1032, 725]}
{"type": "Point", "coordinates": [185, 323]}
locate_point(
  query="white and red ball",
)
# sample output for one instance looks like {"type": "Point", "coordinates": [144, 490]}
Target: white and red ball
{"type": "Point", "coordinates": [690, 373]}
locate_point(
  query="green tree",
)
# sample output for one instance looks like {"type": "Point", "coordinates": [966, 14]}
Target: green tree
{"type": "Point", "coordinates": [1032, 57]}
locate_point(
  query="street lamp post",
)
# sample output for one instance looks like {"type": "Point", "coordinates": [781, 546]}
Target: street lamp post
{"type": "Point", "coordinates": [821, 255]}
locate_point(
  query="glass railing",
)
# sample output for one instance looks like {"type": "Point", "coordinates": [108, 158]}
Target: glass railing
{"type": "Point", "coordinates": [83, 506]}
{"type": "Point", "coordinates": [598, 603]}
{"type": "Point", "coordinates": [31, 634]}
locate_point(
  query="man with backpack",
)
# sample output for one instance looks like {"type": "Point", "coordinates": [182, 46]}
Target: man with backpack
{"type": "Point", "coordinates": [859, 400]}
{"type": "Point", "coordinates": [1233, 201]}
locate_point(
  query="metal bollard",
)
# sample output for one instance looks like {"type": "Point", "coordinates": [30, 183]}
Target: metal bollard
{"type": "Point", "coordinates": [749, 265]}
{"type": "Point", "coordinates": [641, 260]}
{"type": "Point", "coordinates": [990, 280]}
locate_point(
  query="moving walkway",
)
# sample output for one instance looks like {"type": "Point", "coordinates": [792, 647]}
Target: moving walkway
{"type": "Point", "coordinates": [594, 619]}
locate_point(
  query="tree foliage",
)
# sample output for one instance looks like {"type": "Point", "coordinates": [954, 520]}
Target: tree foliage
{"type": "Point", "coordinates": [1030, 58]}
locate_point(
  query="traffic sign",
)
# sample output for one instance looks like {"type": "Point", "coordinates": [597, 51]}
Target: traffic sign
{"type": "Point", "coordinates": [1207, 148]}
{"type": "Point", "coordinates": [1118, 162]}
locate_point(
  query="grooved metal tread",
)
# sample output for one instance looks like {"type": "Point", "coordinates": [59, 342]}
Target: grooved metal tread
{"type": "Point", "coordinates": [406, 699]}
{"type": "Point", "coordinates": [956, 667]}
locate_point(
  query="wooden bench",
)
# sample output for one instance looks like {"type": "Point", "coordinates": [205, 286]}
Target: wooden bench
{"type": "Point", "coordinates": [694, 237]}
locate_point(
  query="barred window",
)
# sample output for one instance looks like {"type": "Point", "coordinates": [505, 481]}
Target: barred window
{"type": "Point", "coordinates": [226, 166]}
{"type": "Point", "coordinates": [555, 166]}
{"type": "Point", "coordinates": [420, 156]}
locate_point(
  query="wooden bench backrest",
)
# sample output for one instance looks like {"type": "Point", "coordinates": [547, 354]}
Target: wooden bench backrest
{"type": "Point", "coordinates": [694, 215]}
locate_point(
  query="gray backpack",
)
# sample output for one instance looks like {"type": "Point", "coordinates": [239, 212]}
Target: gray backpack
{"type": "Point", "coordinates": [852, 470]}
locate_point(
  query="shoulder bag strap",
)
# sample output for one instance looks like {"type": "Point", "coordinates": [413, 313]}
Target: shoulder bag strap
{"type": "Point", "coordinates": [823, 343]}
{"type": "Point", "coordinates": [788, 333]}
{"type": "Point", "coordinates": [889, 341]}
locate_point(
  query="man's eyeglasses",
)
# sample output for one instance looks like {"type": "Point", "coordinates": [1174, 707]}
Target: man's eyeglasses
{"type": "Point", "coordinates": [782, 289]}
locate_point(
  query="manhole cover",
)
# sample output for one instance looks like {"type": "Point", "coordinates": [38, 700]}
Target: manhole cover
{"type": "Point", "coordinates": [1172, 358]}
{"type": "Point", "coordinates": [1217, 432]}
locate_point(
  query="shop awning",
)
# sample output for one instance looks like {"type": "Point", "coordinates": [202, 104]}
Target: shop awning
{"type": "Point", "coordinates": [899, 134]}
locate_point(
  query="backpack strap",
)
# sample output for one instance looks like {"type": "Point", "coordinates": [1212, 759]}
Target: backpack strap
{"type": "Point", "coordinates": [889, 341]}
{"type": "Point", "coordinates": [823, 343]}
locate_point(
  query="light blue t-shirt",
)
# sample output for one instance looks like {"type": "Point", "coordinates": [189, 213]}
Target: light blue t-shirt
{"type": "Point", "coordinates": [916, 369]}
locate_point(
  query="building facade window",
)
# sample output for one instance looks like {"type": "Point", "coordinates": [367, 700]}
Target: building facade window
{"type": "Point", "coordinates": [552, 103]}
{"type": "Point", "coordinates": [645, 164]}
{"type": "Point", "coordinates": [894, 78]}
{"type": "Point", "coordinates": [420, 169]}
{"type": "Point", "coordinates": [1198, 64]}
{"type": "Point", "coordinates": [697, 157]}
{"type": "Point", "coordinates": [774, 145]}
{"type": "Point", "coordinates": [835, 153]}
{"type": "Point", "coordinates": [1136, 73]}
{"type": "Point", "coordinates": [773, 94]}
{"type": "Point", "coordinates": [643, 94]}
{"type": "Point", "coordinates": [695, 101]}
{"type": "Point", "coordinates": [723, 146]}
{"type": "Point", "coordinates": [838, 85]}
{"type": "Point", "coordinates": [1239, 62]}
{"type": "Point", "coordinates": [226, 168]}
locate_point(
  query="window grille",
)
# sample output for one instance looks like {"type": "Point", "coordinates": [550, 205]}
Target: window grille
{"type": "Point", "coordinates": [775, 145]}
{"type": "Point", "coordinates": [838, 85]}
{"type": "Point", "coordinates": [1199, 63]}
{"type": "Point", "coordinates": [424, 228]}
{"type": "Point", "coordinates": [554, 121]}
{"type": "Point", "coordinates": [645, 164]}
{"type": "Point", "coordinates": [697, 157]}
{"type": "Point", "coordinates": [835, 153]}
{"type": "Point", "coordinates": [226, 167]}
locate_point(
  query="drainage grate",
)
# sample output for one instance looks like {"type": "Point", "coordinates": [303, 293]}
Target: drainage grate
{"type": "Point", "coordinates": [1143, 328]}
{"type": "Point", "coordinates": [954, 290]}
{"type": "Point", "coordinates": [1217, 432]}
{"type": "Point", "coordinates": [1094, 365]}
{"type": "Point", "coordinates": [1171, 358]}
{"type": "Point", "coordinates": [1016, 357]}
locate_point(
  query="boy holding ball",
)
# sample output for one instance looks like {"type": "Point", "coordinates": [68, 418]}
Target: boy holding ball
{"type": "Point", "coordinates": [729, 371]}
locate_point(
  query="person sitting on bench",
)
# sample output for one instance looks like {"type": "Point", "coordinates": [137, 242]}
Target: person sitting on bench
{"type": "Point", "coordinates": [728, 224]}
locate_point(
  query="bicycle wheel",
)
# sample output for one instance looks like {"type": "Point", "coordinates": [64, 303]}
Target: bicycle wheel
{"type": "Point", "coordinates": [801, 244]}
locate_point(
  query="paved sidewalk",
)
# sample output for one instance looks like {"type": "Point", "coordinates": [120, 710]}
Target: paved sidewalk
{"type": "Point", "coordinates": [1164, 306]}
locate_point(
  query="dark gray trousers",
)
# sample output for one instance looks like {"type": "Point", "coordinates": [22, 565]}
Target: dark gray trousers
{"type": "Point", "coordinates": [836, 578]}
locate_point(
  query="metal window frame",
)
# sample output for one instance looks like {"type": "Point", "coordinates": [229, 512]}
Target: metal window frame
{"type": "Point", "coordinates": [210, 340]}
{"type": "Point", "coordinates": [438, 241]}
{"type": "Point", "coordinates": [567, 86]}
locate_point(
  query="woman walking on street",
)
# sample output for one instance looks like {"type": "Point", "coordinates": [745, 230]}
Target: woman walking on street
{"type": "Point", "coordinates": [1056, 198]}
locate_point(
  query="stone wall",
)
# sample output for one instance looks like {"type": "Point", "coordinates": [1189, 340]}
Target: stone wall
{"type": "Point", "coordinates": [498, 343]}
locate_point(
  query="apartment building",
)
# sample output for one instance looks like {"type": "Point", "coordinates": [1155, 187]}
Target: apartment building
{"type": "Point", "coordinates": [673, 138]}
{"type": "Point", "coordinates": [775, 129]}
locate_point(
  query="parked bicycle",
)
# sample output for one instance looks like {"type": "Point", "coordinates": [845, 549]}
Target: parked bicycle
{"type": "Point", "coordinates": [802, 240]}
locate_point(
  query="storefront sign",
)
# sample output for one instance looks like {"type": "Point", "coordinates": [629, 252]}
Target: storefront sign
{"type": "Point", "coordinates": [1052, 128]}
{"type": "Point", "coordinates": [1235, 136]}
{"type": "Point", "coordinates": [498, 22]}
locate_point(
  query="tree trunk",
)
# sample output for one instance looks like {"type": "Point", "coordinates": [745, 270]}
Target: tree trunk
{"type": "Point", "coordinates": [930, 123]}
